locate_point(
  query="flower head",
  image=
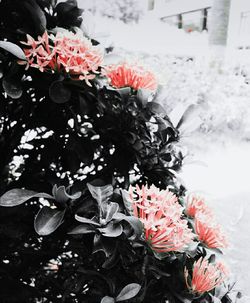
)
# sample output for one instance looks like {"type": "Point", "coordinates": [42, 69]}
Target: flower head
{"type": "Point", "coordinates": [67, 52]}
{"type": "Point", "coordinates": [195, 205]}
{"type": "Point", "coordinates": [209, 232]}
{"type": "Point", "coordinates": [125, 75]}
{"type": "Point", "coordinates": [205, 276]}
{"type": "Point", "coordinates": [160, 213]}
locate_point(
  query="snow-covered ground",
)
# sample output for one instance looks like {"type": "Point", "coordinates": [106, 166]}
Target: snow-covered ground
{"type": "Point", "coordinates": [221, 172]}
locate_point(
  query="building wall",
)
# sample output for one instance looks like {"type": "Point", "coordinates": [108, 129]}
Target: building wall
{"type": "Point", "coordinates": [239, 24]}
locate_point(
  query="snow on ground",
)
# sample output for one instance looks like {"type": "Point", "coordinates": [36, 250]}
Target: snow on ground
{"type": "Point", "coordinates": [221, 172]}
{"type": "Point", "coordinates": [150, 35]}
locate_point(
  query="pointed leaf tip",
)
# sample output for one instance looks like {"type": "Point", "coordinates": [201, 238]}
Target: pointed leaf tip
{"type": "Point", "coordinates": [48, 220]}
{"type": "Point", "coordinates": [128, 292]}
{"type": "Point", "coordinates": [18, 196]}
{"type": "Point", "coordinates": [13, 49]}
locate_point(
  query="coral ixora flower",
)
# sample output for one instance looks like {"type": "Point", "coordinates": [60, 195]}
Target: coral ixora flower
{"type": "Point", "coordinates": [160, 213]}
{"type": "Point", "coordinates": [126, 75]}
{"type": "Point", "coordinates": [209, 232]}
{"type": "Point", "coordinates": [205, 276]}
{"type": "Point", "coordinates": [65, 51]}
{"type": "Point", "coordinates": [196, 204]}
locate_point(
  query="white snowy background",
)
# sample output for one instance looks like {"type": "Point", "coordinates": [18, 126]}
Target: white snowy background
{"type": "Point", "coordinates": [217, 135]}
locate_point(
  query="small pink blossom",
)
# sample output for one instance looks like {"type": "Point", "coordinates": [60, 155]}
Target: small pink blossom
{"type": "Point", "coordinates": [209, 232]}
{"type": "Point", "coordinates": [205, 276]}
{"type": "Point", "coordinates": [125, 75]}
{"type": "Point", "coordinates": [195, 205]}
{"type": "Point", "coordinates": [70, 53]}
{"type": "Point", "coordinates": [164, 237]}
{"type": "Point", "coordinates": [152, 200]}
{"type": "Point", "coordinates": [160, 213]}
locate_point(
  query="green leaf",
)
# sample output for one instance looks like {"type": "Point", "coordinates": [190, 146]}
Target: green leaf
{"type": "Point", "coordinates": [18, 196]}
{"type": "Point", "coordinates": [86, 220]}
{"type": "Point", "coordinates": [128, 292]}
{"type": "Point", "coordinates": [59, 93]}
{"type": "Point", "coordinates": [108, 299]}
{"type": "Point", "coordinates": [82, 229]}
{"type": "Point", "coordinates": [100, 193]}
{"type": "Point", "coordinates": [111, 230]}
{"type": "Point", "coordinates": [13, 49]}
{"type": "Point", "coordinates": [48, 220]}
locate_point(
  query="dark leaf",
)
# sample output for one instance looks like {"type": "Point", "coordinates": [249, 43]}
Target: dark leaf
{"type": "Point", "coordinates": [37, 15]}
{"type": "Point", "coordinates": [124, 92]}
{"type": "Point", "coordinates": [82, 229]}
{"type": "Point", "coordinates": [182, 298]}
{"type": "Point", "coordinates": [111, 230]}
{"type": "Point", "coordinates": [105, 244]}
{"type": "Point", "coordinates": [18, 196]}
{"type": "Point", "coordinates": [134, 222]}
{"type": "Point", "coordinates": [86, 220]}
{"type": "Point", "coordinates": [48, 220]}
{"type": "Point", "coordinates": [127, 201]}
{"type": "Point", "coordinates": [59, 93]}
{"type": "Point", "coordinates": [156, 108]}
{"type": "Point", "coordinates": [12, 87]}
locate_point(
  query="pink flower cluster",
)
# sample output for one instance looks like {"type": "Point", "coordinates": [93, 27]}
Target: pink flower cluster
{"type": "Point", "coordinates": [160, 213]}
{"type": "Point", "coordinates": [75, 55]}
{"type": "Point", "coordinates": [207, 229]}
{"type": "Point", "coordinates": [67, 52]}
{"type": "Point", "coordinates": [195, 205]}
{"type": "Point", "coordinates": [205, 276]}
{"type": "Point", "coordinates": [125, 75]}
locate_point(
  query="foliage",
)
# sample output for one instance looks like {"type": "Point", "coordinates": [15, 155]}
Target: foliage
{"type": "Point", "coordinates": [69, 151]}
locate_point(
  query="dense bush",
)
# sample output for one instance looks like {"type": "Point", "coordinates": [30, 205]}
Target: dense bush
{"type": "Point", "coordinates": [71, 144]}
